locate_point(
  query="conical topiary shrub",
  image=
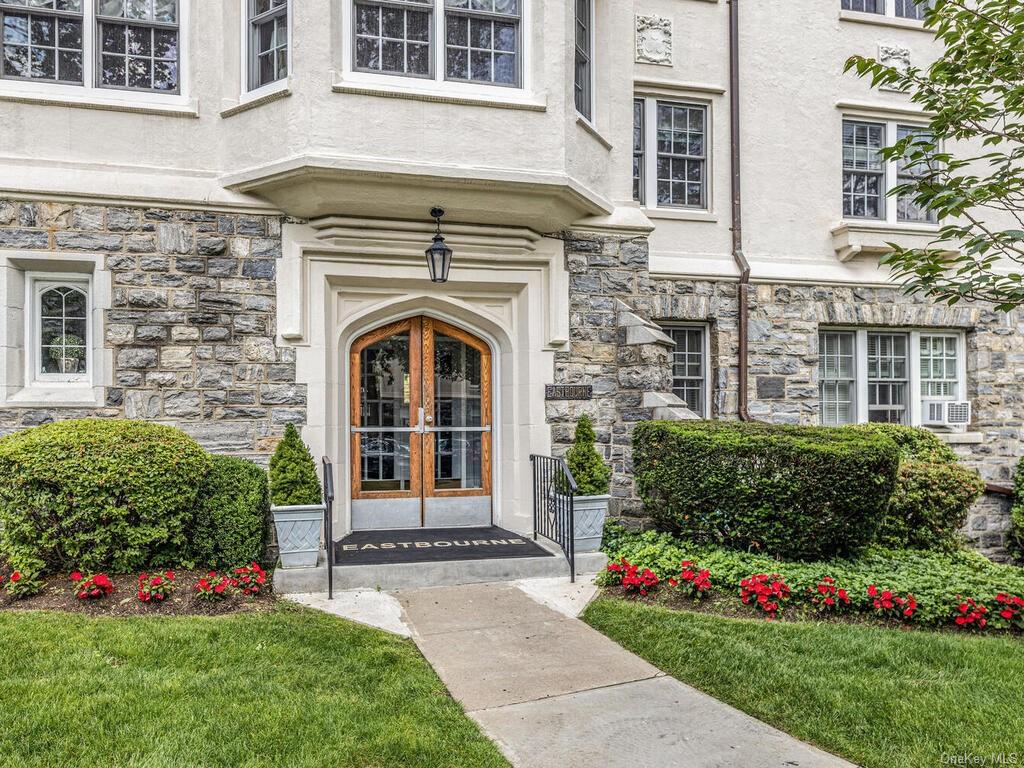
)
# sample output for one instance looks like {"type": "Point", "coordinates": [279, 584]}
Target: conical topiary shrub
{"type": "Point", "coordinates": [589, 470]}
{"type": "Point", "coordinates": [293, 480]}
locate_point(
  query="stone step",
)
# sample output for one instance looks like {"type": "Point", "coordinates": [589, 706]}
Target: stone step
{"type": "Point", "coordinates": [434, 574]}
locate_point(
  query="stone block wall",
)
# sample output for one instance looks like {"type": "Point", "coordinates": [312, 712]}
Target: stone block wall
{"type": "Point", "coordinates": [191, 323]}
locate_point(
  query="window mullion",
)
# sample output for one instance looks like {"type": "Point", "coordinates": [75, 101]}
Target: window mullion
{"type": "Point", "coordinates": [438, 57]}
{"type": "Point", "coordinates": [914, 378]}
{"type": "Point", "coordinates": [651, 153]}
{"type": "Point", "coordinates": [861, 399]}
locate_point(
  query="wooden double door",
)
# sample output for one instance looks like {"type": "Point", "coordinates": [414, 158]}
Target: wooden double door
{"type": "Point", "coordinates": [421, 427]}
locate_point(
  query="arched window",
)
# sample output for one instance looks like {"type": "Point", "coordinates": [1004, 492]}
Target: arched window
{"type": "Point", "coordinates": [63, 314]}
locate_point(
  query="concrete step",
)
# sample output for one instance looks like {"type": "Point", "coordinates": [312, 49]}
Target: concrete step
{"type": "Point", "coordinates": [436, 574]}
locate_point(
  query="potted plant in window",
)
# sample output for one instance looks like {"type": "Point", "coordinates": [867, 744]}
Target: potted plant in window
{"type": "Point", "coordinates": [298, 507]}
{"type": "Point", "coordinates": [67, 352]}
{"type": "Point", "coordinates": [593, 477]}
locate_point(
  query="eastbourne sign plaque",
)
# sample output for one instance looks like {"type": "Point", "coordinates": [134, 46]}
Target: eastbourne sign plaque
{"type": "Point", "coordinates": [568, 392]}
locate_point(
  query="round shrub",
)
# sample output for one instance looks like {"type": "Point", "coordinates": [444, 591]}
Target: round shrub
{"type": "Point", "coordinates": [231, 517]}
{"type": "Point", "coordinates": [97, 495]}
{"type": "Point", "coordinates": [793, 492]}
{"type": "Point", "coordinates": [293, 480]}
{"type": "Point", "coordinates": [933, 493]}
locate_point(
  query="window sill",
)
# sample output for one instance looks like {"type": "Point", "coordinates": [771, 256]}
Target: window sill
{"type": "Point", "coordinates": [56, 396]}
{"type": "Point", "coordinates": [677, 214]}
{"type": "Point", "coordinates": [588, 126]}
{"type": "Point", "coordinates": [853, 238]}
{"type": "Point", "coordinates": [960, 438]}
{"type": "Point", "coordinates": [881, 20]}
{"type": "Point", "coordinates": [259, 97]}
{"type": "Point", "coordinates": [440, 97]}
{"type": "Point", "coordinates": [140, 107]}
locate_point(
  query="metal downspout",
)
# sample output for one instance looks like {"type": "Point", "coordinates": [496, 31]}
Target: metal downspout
{"type": "Point", "coordinates": [737, 210]}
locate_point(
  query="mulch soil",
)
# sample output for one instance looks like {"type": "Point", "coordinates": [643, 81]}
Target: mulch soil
{"type": "Point", "coordinates": [58, 595]}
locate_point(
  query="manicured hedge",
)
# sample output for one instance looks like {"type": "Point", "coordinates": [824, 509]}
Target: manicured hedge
{"type": "Point", "coordinates": [97, 495]}
{"type": "Point", "coordinates": [230, 525]}
{"type": "Point", "coordinates": [794, 492]}
{"type": "Point", "coordinates": [933, 492]}
{"type": "Point", "coordinates": [939, 581]}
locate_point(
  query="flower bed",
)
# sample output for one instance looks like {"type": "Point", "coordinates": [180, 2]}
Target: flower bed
{"type": "Point", "coordinates": [961, 590]}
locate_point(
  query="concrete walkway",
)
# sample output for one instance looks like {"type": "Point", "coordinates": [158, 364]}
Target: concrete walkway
{"type": "Point", "coordinates": [551, 691]}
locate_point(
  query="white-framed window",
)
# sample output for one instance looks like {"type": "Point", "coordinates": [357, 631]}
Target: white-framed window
{"type": "Point", "coordinates": [93, 45]}
{"type": "Point", "coordinates": [58, 329]}
{"type": "Point", "coordinates": [868, 178]}
{"type": "Point", "coordinates": [690, 371]}
{"type": "Point", "coordinates": [583, 69]}
{"type": "Point", "coordinates": [901, 9]}
{"type": "Point", "coordinates": [267, 41]}
{"type": "Point", "coordinates": [671, 142]}
{"type": "Point", "coordinates": [468, 41]}
{"type": "Point", "coordinates": [887, 375]}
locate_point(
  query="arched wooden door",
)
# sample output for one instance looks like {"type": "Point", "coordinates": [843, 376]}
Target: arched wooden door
{"type": "Point", "coordinates": [420, 401]}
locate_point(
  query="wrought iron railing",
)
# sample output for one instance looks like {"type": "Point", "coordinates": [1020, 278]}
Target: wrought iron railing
{"type": "Point", "coordinates": [328, 469]}
{"type": "Point", "coordinates": [553, 512]}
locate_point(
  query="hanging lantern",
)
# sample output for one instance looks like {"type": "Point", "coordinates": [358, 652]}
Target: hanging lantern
{"type": "Point", "coordinates": [439, 255]}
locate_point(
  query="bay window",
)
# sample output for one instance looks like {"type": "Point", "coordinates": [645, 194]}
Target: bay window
{"type": "Point", "coordinates": [875, 375]}
{"type": "Point", "coordinates": [267, 41]}
{"type": "Point", "coordinates": [583, 63]}
{"type": "Point", "coordinates": [93, 44]}
{"type": "Point", "coordinates": [471, 41]}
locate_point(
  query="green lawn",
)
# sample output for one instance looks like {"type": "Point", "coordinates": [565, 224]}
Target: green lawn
{"type": "Point", "coordinates": [285, 688]}
{"type": "Point", "coordinates": [879, 697]}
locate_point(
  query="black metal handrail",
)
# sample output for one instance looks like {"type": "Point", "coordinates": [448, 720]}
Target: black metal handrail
{"type": "Point", "coordinates": [328, 469]}
{"type": "Point", "coordinates": [553, 512]}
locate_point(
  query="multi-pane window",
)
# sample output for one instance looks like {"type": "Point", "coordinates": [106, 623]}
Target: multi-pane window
{"type": "Point", "coordinates": [638, 150]}
{"type": "Point", "coordinates": [888, 373]}
{"type": "Point", "coordinates": [682, 157]}
{"type": "Point", "coordinates": [863, 169]}
{"type": "Point", "coordinates": [268, 41]}
{"type": "Point", "coordinates": [689, 366]}
{"type": "Point", "coordinates": [41, 40]}
{"type": "Point", "coordinates": [939, 366]}
{"type": "Point", "coordinates": [62, 314]}
{"type": "Point", "coordinates": [904, 9]}
{"type": "Point", "coordinates": [394, 37]}
{"type": "Point", "coordinates": [582, 81]}
{"type": "Point", "coordinates": [482, 41]}
{"type": "Point", "coordinates": [907, 171]}
{"type": "Point", "coordinates": [138, 44]}
{"type": "Point", "coordinates": [837, 373]}
{"type": "Point", "coordinates": [869, 178]}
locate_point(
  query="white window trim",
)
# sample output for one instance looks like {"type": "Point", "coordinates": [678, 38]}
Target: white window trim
{"type": "Point", "coordinates": [35, 284]}
{"type": "Point", "coordinates": [890, 173]}
{"type": "Point", "coordinates": [248, 94]}
{"type": "Point", "coordinates": [889, 12]}
{"type": "Point", "coordinates": [437, 85]}
{"type": "Point", "coordinates": [650, 161]}
{"type": "Point", "coordinates": [590, 119]}
{"type": "Point", "coordinates": [914, 399]}
{"type": "Point", "coordinates": [91, 94]}
{"type": "Point", "coordinates": [705, 336]}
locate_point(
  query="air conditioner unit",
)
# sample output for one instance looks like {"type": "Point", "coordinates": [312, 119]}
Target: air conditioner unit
{"type": "Point", "coordinates": [946, 413]}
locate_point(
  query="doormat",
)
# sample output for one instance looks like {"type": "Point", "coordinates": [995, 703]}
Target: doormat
{"type": "Point", "coordinates": [433, 545]}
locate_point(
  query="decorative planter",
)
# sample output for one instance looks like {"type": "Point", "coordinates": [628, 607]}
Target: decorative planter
{"type": "Point", "coordinates": [69, 365]}
{"type": "Point", "coordinates": [298, 534]}
{"type": "Point", "coordinates": [588, 521]}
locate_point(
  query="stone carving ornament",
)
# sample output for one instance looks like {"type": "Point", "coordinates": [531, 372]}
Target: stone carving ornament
{"type": "Point", "coordinates": [654, 40]}
{"type": "Point", "coordinates": [895, 56]}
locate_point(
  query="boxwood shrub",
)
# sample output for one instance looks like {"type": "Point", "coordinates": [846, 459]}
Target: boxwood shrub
{"type": "Point", "coordinates": [97, 495]}
{"type": "Point", "coordinates": [933, 492]}
{"type": "Point", "coordinates": [230, 525]}
{"type": "Point", "coordinates": [793, 492]}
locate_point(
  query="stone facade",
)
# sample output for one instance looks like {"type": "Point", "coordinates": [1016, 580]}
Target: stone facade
{"type": "Point", "coordinates": [191, 322]}
{"type": "Point", "coordinates": [609, 276]}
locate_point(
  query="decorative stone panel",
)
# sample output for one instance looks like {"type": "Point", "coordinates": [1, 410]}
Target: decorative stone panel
{"type": "Point", "coordinates": [895, 56]}
{"type": "Point", "coordinates": [191, 322]}
{"type": "Point", "coordinates": [654, 40]}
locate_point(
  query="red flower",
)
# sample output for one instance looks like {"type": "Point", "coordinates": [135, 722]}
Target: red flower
{"type": "Point", "coordinates": [16, 577]}
{"type": "Point", "coordinates": [76, 576]}
{"type": "Point", "coordinates": [872, 590]}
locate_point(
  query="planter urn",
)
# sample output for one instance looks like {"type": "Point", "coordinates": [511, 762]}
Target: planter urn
{"type": "Point", "coordinates": [298, 534]}
{"type": "Point", "coordinates": [588, 521]}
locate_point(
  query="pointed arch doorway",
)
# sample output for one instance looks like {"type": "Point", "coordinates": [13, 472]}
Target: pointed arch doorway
{"type": "Point", "coordinates": [421, 405]}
